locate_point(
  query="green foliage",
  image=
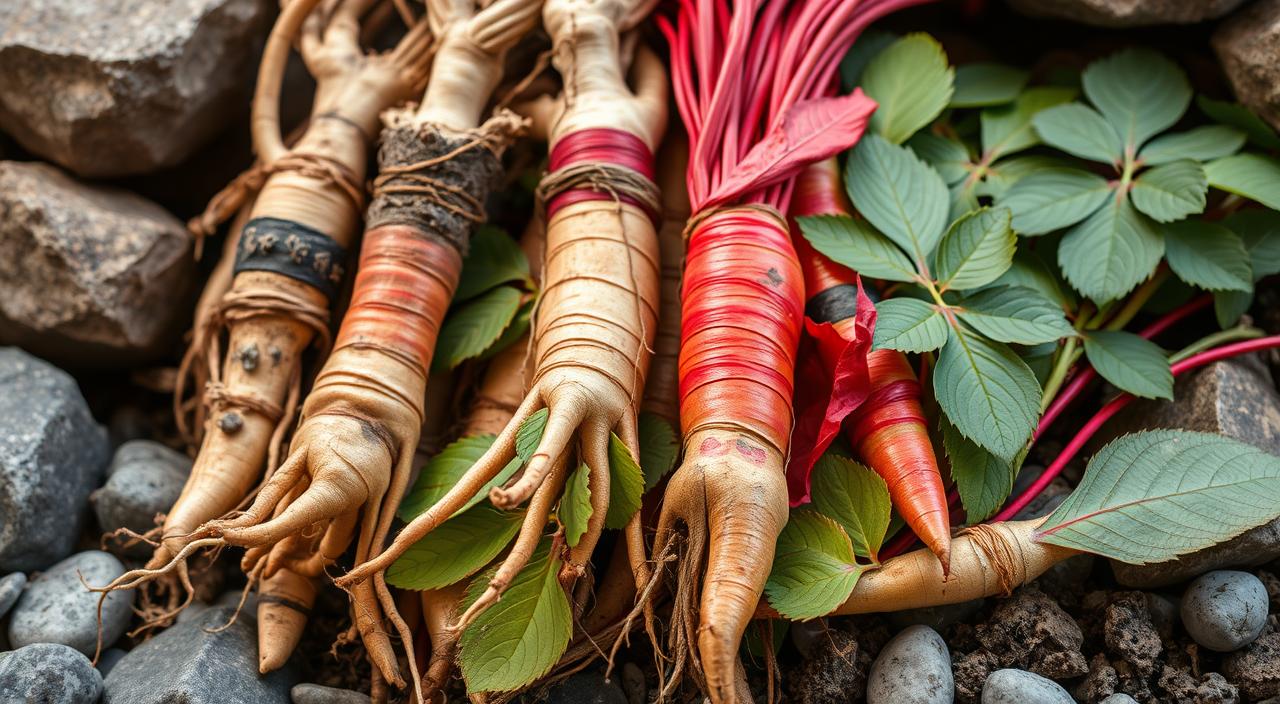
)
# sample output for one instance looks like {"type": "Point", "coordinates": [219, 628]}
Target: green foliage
{"type": "Point", "coordinates": [1140, 92]}
{"type": "Point", "coordinates": [441, 473]}
{"type": "Point", "coordinates": [983, 480]}
{"type": "Point", "coordinates": [1014, 314]}
{"type": "Point", "coordinates": [1201, 144]}
{"type": "Point", "coordinates": [976, 250]}
{"type": "Point", "coordinates": [488, 314]}
{"type": "Point", "coordinates": [492, 260]}
{"type": "Point", "coordinates": [1152, 496]}
{"type": "Point", "coordinates": [1052, 199]}
{"type": "Point", "coordinates": [1081, 131]}
{"type": "Point", "coordinates": [1111, 252]}
{"type": "Point", "coordinates": [898, 194]}
{"type": "Point", "coordinates": [575, 506]}
{"type": "Point", "coordinates": [854, 243]}
{"type": "Point", "coordinates": [982, 84]}
{"type": "Point", "coordinates": [529, 434]}
{"type": "Point", "coordinates": [909, 325]}
{"type": "Point", "coordinates": [1171, 191]}
{"type": "Point", "coordinates": [456, 549]}
{"type": "Point", "coordinates": [987, 391]}
{"type": "Point", "coordinates": [856, 498]}
{"type": "Point", "coordinates": [626, 485]}
{"type": "Point", "coordinates": [518, 639]}
{"type": "Point", "coordinates": [1252, 176]}
{"type": "Point", "coordinates": [1257, 131]}
{"type": "Point", "coordinates": [1009, 129]}
{"type": "Point", "coordinates": [475, 326]}
{"type": "Point", "coordinates": [1208, 255]}
{"type": "Point", "coordinates": [911, 82]}
{"type": "Point", "coordinates": [659, 448]}
{"type": "Point", "coordinates": [1132, 363]}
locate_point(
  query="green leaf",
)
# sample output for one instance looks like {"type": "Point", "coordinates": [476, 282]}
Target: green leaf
{"type": "Point", "coordinates": [1152, 496]}
{"type": "Point", "coordinates": [1260, 232]}
{"type": "Point", "coordinates": [948, 156]}
{"type": "Point", "coordinates": [983, 84]}
{"type": "Point", "coordinates": [529, 434]}
{"type": "Point", "coordinates": [1015, 314]}
{"type": "Point", "coordinates": [1079, 130]}
{"type": "Point", "coordinates": [869, 45]}
{"type": "Point", "coordinates": [1040, 359]}
{"type": "Point", "coordinates": [516, 330]}
{"type": "Point", "coordinates": [517, 640]}
{"type": "Point", "coordinates": [441, 473]}
{"type": "Point", "coordinates": [575, 505]}
{"type": "Point", "coordinates": [1202, 144]}
{"type": "Point", "coordinates": [1002, 175]}
{"type": "Point", "coordinates": [1029, 270]}
{"type": "Point", "coordinates": [1208, 255]}
{"type": "Point", "coordinates": [1112, 251]}
{"type": "Point", "coordinates": [1240, 117]}
{"type": "Point", "coordinates": [626, 485]}
{"type": "Point", "coordinates": [898, 194]}
{"type": "Point", "coordinates": [456, 549]}
{"type": "Point", "coordinates": [493, 258]}
{"type": "Point", "coordinates": [1172, 191]}
{"type": "Point", "coordinates": [1253, 176]}
{"type": "Point", "coordinates": [964, 199]}
{"type": "Point", "coordinates": [856, 245]}
{"type": "Point", "coordinates": [976, 250]}
{"type": "Point", "coordinates": [1009, 129]}
{"type": "Point", "coordinates": [1228, 306]}
{"type": "Point", "coordinates": [983, 480]}
{"type": "Point", "coordinates": [908, 325]}
{"type": "Point", "coordinates": [1129, 362]}
{"type": "Point", "coordinates": [987, 391]}
{"type": "Point", "coordinates": [1140, 92]}
{"type": "Point", "coordinates": [814, 569]}
{"type": "Point", "coordinates": [659, 447]}
{"type": "Point", "coordinates": [1054, 198]}
{"type": "Point", "coordinates": [856, 498]}
{"type": "Point", "coordinates": [912, 83]}
{"type": "Point", "coordinates": [472, 328]}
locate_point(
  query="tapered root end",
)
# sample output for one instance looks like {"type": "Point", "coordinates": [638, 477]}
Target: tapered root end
{"type": "Point", "coordinates": [280, 629]}
{"type": "Point", "coordinates": [939, 543]}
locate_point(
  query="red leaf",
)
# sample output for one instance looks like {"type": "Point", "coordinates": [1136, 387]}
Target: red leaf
{"type": "Point", "coordinates": [810, 131]}
{"type": "Point", "coordinates": [831, 383]}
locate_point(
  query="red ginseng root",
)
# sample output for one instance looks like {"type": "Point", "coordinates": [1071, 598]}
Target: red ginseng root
{"type": "Point", "coordinates": [888, 430]}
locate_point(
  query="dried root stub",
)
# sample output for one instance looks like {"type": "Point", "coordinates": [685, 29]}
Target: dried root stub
{"type": "Point", "coordinates": [289, 260]}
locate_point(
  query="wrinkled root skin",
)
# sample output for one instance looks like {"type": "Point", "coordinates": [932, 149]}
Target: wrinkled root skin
{"type": "Point", "coordinates": [728, 502]}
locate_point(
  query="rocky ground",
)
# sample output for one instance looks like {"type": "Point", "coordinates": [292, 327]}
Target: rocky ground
{"type": "Point", "coordinates": [120, 118]}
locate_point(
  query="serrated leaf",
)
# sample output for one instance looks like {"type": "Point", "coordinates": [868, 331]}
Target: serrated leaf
{"type": "Point", "coordinates": [1009, 129]}
{"type": "Point", "coordinates": [1202, 144]}
{"type": "Point", "coordinates": [983, 480]}
{"type": "Point", "coordinates": [1260, 232]}
{"type": "Point", "coordinates": [1054, 198]}
{"type": "Point", "coordinates": [1129, 362]}
{"type": "Point", "coordinates": [1079, 130]}
{"type": "Point", "coordinates": [912, 83]}
{"type": "Point", "coordinates": [898, 194]}
{"type": "Point", "coordinates": [1240, 117]}
{"type": "Point", "coordinates": [529, 434]}
{"type": "Point", "coordinates": [456, 549]}
{"type": "Point", "coordinates": [1139, 91]}
{"type": "Point", "coordinates": [1015, 314]}
{"type": "Point", "coordinates": [1152, 496]}
{"type": "Point", "coordinates": [987, 391]}
{"type": "Point", "coordinates": [1029, 270]}
{"type": "Point", "coordinates": [964, 199]}
{"type": "Point", "coordinates": [1253, 176]}
{"type": "Point", "coordinates": [982, 84]}
{"type": "Point", "coordinates": [908, 325]}
{"type": "Point", "coordinates": [626, 485]}
{"type": "Point", "coordinates": [575, 506]}
{"type": "Point", "coordinates": [473, 327]}
{"type": "Point", "coordinates": [517, 640]}
{"type": "Point", "coordinates": [1172, 191]}
{"type": "Point", "coordinates": [856, 498]}
{"type": "Point", "coordinates": [870, 43]}
{"type": "Point", "coordinates": [659, 448]}
{"type": "Point", "coordinates": [976, 250]}
{"type": "Point", "coordinates": [514, 332]}
{"type": "Point", "coordinates": [1228, 306]}
{"type": "Point", "coordinates": [492, 259]}
{"type": "Point", "coordinates": [1112, 251]}
{"type": "Point", "coordinates": [444, 470]}
{"type": "Point", "coordinates": [814, 569]}
{"type": "Point", "coordinates": [948, 156]}
{"type": "Point", "coordinates": [856, 245]}
{"type": "Point", "coordinates": [1208, 255]}
{"type": "Point", "coordinates": [1002, 175]}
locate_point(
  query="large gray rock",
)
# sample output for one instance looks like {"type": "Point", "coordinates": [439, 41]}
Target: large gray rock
{"type": "Point", "coordinates": [57, 607]}
{"type": "Point", "coordinates": [913, 668]}
{"type": "Point", "coordinates": [189, 665]}
{"type": "Point", "coordinates": [116, 87]}
{"type": "Point", "coordinates": [1127, 13]}
{"type": "Point", "coordinates": [1248, 45]}
{"type": "Point", "coordinates": [144, 480]}
{"type": "Point", "coordinates": [88, 274]}
{"type": "Point", "coordinates": [52, 454]}
{"type": "Point", "coordinates": [1225, 610]}
{"type": "Point", "coordinates": [10, 589]}
{"type": "Point", "coordinates": [1236, 398]}
{"type": "Point", "coordinates": [320, 694]}
{"type": "Point", "coordinates": [48, 673]}
{"type": "Point", "coordinates": [1022, 687]}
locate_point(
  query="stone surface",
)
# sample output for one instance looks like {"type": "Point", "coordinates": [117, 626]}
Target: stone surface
{"type": "Point", "coordinates": [187, 664]}
{"type": "Point", "coordinates": [1127, 13]}
{"type": "Point", "coordinates": [1022, 687]}
{"type": "Point", "coordinates": [1225, 610]}
{"type": "Point", "coordinates": [144, 480]}
{"type": "Point", "coordinates": [587, 687]}
{"type": "Point", "coordinates": [52, 454]}
{"type": "Point", "coordinates": [319, 694]}
{"type": "Point", "coordinates": [116, 87]}
{"type": "Point", "coordinates": [109, 658]}
{"type": "Point", "coordinates": [57, 608]}
{"type": "Point", "coordinates": [10, 589]}
{"type": "Point", "coordinates": [913, 668]}
{"type": "Point", "coordinates": [633, 684]}
{"type": "Point", "coordinates": [1256, 668]}
{"type": "Point", "coordinates": [1235, 398]}
{"type": "Point", "coordinates": [89, 275]}
{"type": "Point", "coordinates": [1119, 698]}
{"type": "Point", "coordinates": [1247, 45]}
{"type": "Point", "coordinates": [48, 673]}
{"type": "Point", "coordinates": [1031, 631]}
